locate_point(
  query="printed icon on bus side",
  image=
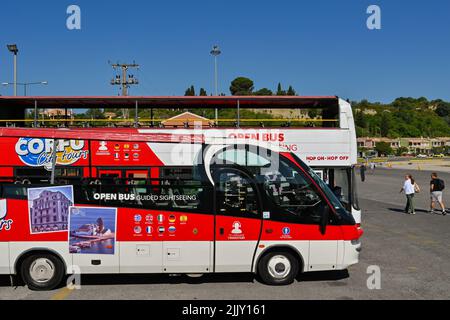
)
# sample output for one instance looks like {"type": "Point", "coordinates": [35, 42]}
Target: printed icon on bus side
{"type": "Point", "coordinates": [236, 228]}
{"type": "Point", "coordinates": [149, 218]}
{"type": "Point", "coordinates": [103, 146]}
{"type": "Point", "coordinates": [137, 230]}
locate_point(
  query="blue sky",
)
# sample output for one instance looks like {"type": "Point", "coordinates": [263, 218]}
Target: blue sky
{"type": "Point", "coordinates": [321, 47]}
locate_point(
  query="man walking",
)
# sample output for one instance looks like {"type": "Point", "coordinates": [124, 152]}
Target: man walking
{"type": "Point", "coordinates": [363, 172]}
{"type": "Point", "coordinates": [437, 186]}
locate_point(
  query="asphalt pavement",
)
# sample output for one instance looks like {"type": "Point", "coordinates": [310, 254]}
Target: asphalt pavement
{"type": "Point", "coordinates": [411, 252]}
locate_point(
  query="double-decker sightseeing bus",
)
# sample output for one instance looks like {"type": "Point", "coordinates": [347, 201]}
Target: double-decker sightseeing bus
{"type": "Point", "coordinates": [319, 130]}
{"type": "Point", "coordinates": [143, 200]}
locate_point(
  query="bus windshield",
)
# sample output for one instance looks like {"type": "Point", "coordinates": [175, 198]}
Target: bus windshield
{"type": "Point", "coordinates": [284, 183]}
{"type": "Point", "coordinates": [326, 189]}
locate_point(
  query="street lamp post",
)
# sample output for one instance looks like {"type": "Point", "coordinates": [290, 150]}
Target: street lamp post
{"type": "Point", "coordinates": [25, 85]}
{"type": "Point", "coordinates": [216, 52]}
{"type": "Point", "coordinates": [13, 48]}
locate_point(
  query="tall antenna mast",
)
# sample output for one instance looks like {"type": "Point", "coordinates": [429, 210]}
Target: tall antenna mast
{"type": "Point", "coordinates": [125, 80]}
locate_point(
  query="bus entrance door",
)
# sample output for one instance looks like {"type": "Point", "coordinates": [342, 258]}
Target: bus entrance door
{"type": "Point", "coordinates": [97, 261]}
{"type": "Point", "coordinates": [238, 221]}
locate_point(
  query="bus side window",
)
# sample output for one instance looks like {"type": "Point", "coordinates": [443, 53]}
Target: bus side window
{"type": "Point", "coordinates": [138, 190]}
{"type": "Point", "coordinates": [85, 190]}
{"type": "Point", "coordinates": [14, 191]}
{"type": "Point", "coordinates": [235, 195]}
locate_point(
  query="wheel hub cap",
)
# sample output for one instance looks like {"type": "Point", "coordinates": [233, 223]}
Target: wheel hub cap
{"type": "Point", "coordinates": [279, 267]}
{"type": "Point", "coordinates": [42, 270]}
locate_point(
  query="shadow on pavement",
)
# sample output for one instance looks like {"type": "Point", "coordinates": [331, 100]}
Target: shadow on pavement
{"type": "Point", "coordinates": [5, 281]}
{"type": "Point", "coordinates": [402, 211]}
{"type": "Point", "coordinates": [124, 279]}
{"type": "Point", "coordinates": [163, 279]}
{"type": "Point", "coordinates": [323, 276]}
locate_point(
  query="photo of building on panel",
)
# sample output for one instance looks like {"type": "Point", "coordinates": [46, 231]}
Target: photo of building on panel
{"type": "Point", "coordinates": [49, 208]}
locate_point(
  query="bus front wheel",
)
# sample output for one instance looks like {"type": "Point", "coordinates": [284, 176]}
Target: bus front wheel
{"type": "Point", "coordinates": [278, 268]}
{"type": "Point", "coordinates": [42, 271]}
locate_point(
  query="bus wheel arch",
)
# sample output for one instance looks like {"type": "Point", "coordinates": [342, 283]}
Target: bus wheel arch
{"type": "Point", "coordinates": [43, 260]}
{"type": "Point", "coordinates": [279, 254]}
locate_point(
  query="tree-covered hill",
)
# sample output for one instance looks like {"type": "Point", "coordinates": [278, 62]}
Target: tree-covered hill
{"type": "Point", "coordinates": [404, 117]}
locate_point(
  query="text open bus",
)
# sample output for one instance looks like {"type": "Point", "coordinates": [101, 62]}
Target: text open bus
{"type": "Point", "coordinates": [98, 201]}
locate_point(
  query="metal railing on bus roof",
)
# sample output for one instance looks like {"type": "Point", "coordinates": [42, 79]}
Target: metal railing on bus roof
{"type": "Point", "coordinates": [162, 120]}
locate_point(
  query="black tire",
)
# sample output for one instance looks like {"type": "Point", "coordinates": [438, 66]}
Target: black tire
{"type": "Point", "coordinates": [57, 268]}
{"type": "Point", "coordinates": [264, 270]}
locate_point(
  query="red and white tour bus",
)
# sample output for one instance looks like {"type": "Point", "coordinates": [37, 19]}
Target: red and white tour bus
{"type": "Point", "coordinates": [179, 200]}
{"type": "Point", "coordinates": [104, 200]}
{"type": "Point", "coordinates": [319, 130]}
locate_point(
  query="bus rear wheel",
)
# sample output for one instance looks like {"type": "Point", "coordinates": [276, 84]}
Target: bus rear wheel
{"type": "Point", "coordinates": [278, 268]}
{"type": "Point", "coordinates": [42, 272]}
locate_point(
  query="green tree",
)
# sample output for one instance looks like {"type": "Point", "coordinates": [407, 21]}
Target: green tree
{"type": "Point", "coordinates": [95, 114]}
{"type": "Point", "coordinates": [291, 91]}
{"type": "Point", "coordinates": [241, 86]}
{"type": "Point", "coordinates": [401, 151]}
{"type": "Point", "coordinates": [443, 110]}
{"type": "Point", "coordinates": [385, 124]}
{"type": "Point", "coordinates": [190, 91]}
{"type": "Point", "coordinates": [203, 92]}
{"type": "Point", "coordinates": [383, 148]}
{"type": "Point", "coordinates": [313, 113]}
{"type": "Point", "coordinates": [360, 119]}
{"type": "Point", "coordinates": [280, 91]}
{"type": "Point", "coordinates": [263, 92]}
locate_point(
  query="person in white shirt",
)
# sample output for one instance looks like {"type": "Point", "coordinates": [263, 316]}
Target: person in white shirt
{"type": "Point", "coordinates": [408, 188]}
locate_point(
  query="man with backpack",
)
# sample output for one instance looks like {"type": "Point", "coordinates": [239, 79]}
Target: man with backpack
{"type": "Point", "coordinates": [437, 186]}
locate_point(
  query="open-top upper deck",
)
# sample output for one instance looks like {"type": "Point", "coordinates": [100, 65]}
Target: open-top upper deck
{"type": "Point", "coordinates": [183, 102]}
{"type": "Point", "coordinates": [247, 118]}
{"type": "Point", "coordinates": [154, 111]}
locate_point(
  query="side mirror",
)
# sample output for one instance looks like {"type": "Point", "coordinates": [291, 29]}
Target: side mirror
{"type": "Point", "coordinates": [325, 216]}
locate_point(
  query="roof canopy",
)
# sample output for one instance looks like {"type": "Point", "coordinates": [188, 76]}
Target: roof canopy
{"type": "Point", "coordinates": [91, 102]}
